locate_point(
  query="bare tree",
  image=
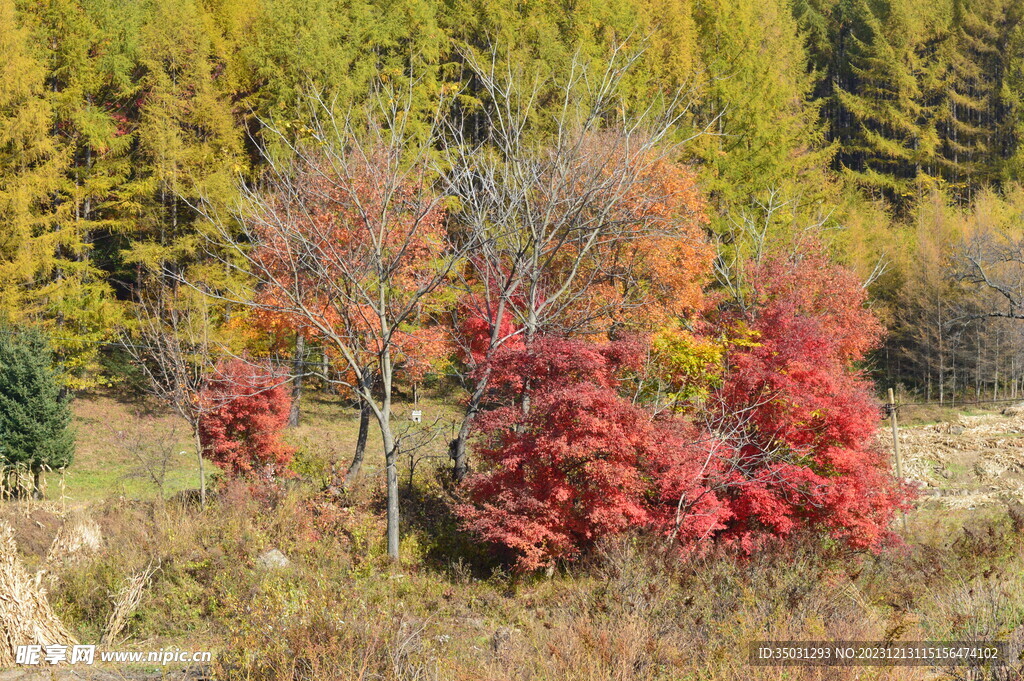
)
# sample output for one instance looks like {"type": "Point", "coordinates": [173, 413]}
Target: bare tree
{"type": "Point", "coordinates": [550, 196]}
{"type": "Point", "coordinates": [994, 260]}
{"type": "Point", "coordinates": [150, 449]}
{"type": "Point", "coordinates": [171, 342]}
{"type": "Point", "coordinates": [345, 237]}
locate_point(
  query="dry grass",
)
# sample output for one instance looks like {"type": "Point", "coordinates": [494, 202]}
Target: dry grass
{"type": "Point", "coordinates": [126, 601]}
{"type": "Point", "coordinates": [968, 462]}
{"type": "Point", "coordinates": [452, 612]}
{"type": "Point", "coordinates": [77, 538]}
{"type": "Point", "coordinates": [26, 617]}
{"type": "Point", "coordinates": [631, 612]}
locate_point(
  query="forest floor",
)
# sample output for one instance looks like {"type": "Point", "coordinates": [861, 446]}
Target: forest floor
{"type": "Point", "coordinates": [134, 449]}
{"type": "Point", "coordinates": [337, 610]}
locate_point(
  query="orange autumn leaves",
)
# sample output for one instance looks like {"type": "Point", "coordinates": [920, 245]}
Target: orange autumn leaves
{"type": "Point", "coordinates": [351, 250]}
{"type": "Point", "coordinates": [660, 277]}
{"type": "Point", "coordinates": [324, 244]}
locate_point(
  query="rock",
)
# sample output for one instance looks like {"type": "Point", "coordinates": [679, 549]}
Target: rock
{"type": "Point", "coordinates": [273, 560]}
{"type": "Point", "coordinates": [956, 430]}
{"type": "Point", "coordinates": [502, 639]}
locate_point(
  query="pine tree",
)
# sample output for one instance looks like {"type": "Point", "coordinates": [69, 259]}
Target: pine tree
{"type": "Point", "coordinates": [46, 276]}
{"type": "Point", "coordinates": [546, 42]}
{"type": "Point", "coordinates": [30, 166]}
{"type": "Point", "coordinates": [34, 419]}
{"type": "Point", "coordinates": [298, 45]}
{"type": "Point", "coordinates": [882, 120]}
{"type": "Point", "coordinates": [766, 132]}
{"type": "Point", "coordinates": [672, 60]}
{"type": "Point", "coordinates": [189, 142]}
{"type": "Point", "coordinates": [978, 111]}
{"type": "Point", "coordinates": [87, 86]}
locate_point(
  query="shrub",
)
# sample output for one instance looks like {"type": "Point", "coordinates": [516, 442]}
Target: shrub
{"type": "Point", "coordinates": [246, 412]}
{"type": "Point", "coordinates": [781, 439]}
{"type": "Point", "coordinates": [798, 416]}
{"type": "Point", "coordinates": [581, 463]}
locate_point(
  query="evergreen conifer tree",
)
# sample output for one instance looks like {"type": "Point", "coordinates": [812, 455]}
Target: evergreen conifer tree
{"type": "Point", "coordinates": [978, 113]}
{"type": "Point", "coordinates": [34, 418]}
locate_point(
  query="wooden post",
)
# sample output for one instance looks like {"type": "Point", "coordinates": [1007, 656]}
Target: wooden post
{"type": "Point", "coordinates": [896, 447]}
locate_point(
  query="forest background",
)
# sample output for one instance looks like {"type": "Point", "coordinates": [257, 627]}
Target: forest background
{"type": "Point", "coordinates": [893, 126]}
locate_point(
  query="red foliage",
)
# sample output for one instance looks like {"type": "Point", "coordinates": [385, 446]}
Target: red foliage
{"type": "Point", "coordinates": [479, 320]}
{"type": "Point", "coordinates": [247, 409]}
{"type": "Point", "coordinates": [565, 472]}
{"type": "Point", "coordinates": [786, 441]}
{"type": "Point", "coordinates": [578, 464]}
{"type": "Point", "coordinates": [799, 418]}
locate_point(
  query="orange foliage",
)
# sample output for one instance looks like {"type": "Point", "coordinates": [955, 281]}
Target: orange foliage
{"type": "Point", "coordinates": [348, 254]}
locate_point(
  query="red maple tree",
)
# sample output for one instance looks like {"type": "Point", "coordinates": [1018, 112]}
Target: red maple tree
{"type": "Point", "coordinates": [797, 414]}
{"type": "Point", "coordinates": [784, 441]}
{"type": "Point", "coordinates": [579, 463]}
{"type": "Point", "coordinates": [248, 409]}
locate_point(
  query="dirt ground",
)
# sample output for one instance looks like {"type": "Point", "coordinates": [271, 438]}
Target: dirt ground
{"type": "Point", "coordinates": [968, 462]}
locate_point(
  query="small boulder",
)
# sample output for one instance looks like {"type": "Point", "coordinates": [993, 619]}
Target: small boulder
{"type": "Point", "coordinates": [273, 560]}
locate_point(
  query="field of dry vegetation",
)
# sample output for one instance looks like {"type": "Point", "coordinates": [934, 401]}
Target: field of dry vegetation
{"type": "Point", "coordinates": [337, 610]}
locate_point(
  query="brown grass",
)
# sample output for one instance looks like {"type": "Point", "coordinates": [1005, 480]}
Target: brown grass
{"type": "Point", "coordinates": [632, 611]}
{"type": "Point", "coordinates": [451, 611]}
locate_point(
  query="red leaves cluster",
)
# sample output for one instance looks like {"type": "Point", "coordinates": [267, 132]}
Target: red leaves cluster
{"type": "Point", "coordinates": [785, 442]}
{"type": "Point", "coordinates": [578, 464]}
{"type": "Point", "coordinates": [801, 419]}
{"type": "Point", "coordinates": [246, 412]}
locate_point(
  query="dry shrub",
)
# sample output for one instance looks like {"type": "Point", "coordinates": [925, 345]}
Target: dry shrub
{"type": "Point", "coordinates": [636, 611]}
{"type": "Point", "coordinates": [19, 482]}
{"type": "Point", "coordinates": [291, 633]}
{"type": "Point", "coordinates": [25, 614]}
{"type": "Point", "coordinates": [125, 603]}
{"type": "Point", "coordinates": [1014, 410]}
{"type": "Point", "coordinates": [76, 539]}
{"type": "Point", "coordinates": [639, 612]}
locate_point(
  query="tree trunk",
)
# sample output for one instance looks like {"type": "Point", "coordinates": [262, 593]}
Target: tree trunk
{"type": "Point", "coordinates": [457, 451]}
{"type": "Point", "coordinates": [37, 482]}
{"type": "Point", "coordinates": [457, 447]}
{"type": "Point", "coordinates": [298, 371]}
{"type": "Point", "coordinates": [391, 461]}
{"type": "Point", "coordinates": [325, 368]}
{"type": "Point", "coordinates": [360, 453]}
{"type": "Point", "coordinates": [202, 466]}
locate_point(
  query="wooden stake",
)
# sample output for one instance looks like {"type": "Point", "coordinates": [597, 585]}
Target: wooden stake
{"type": "Point", "coordinates": [896, 447]}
